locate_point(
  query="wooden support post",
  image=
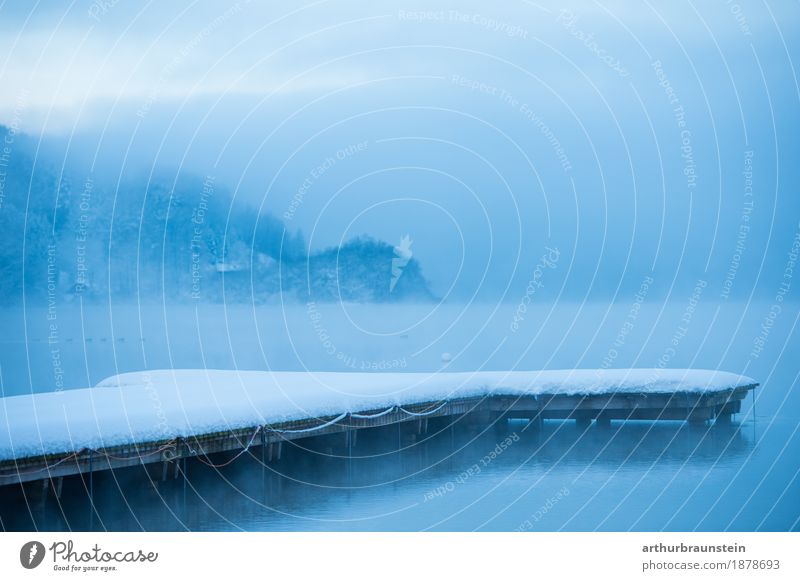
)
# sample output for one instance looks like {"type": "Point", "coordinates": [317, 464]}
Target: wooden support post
{"type": "Point", "coordinates": [269, 452]}
{"type": "Point", "coordinates": [180, 450]}
{"type": "Point", "coordinates": [602, 421]}
{"type": "Point", "coordinates": [725, 413]}
{"type": "Point", "coordinates": [499, 423]}
{"type": "Point", "coordinates": [185, 478]}
{"type": "Point", "coordinates": [35, 493]}
{"type": "Point", "coordinates": [263, 448]}
{"type": "Point", "coordinates": [91, 476]}
{"type": "Point", "coordinates": [723, 419]}
{"type": "Point", "coordinates": [583, 422]}
{"type": "Point", "coordinates": [45, 490]}
{"type": "Point", "coordinates": [472, 422]}
{"type": "Point", "coordinates": [699, 417]}
{"type": "Point", "coordinates": [279, 450]}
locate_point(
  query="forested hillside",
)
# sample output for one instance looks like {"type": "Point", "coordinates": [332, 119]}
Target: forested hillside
{"type": "Point", "coordinates": [161, 237]}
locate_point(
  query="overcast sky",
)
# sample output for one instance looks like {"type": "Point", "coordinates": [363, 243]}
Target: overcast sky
{"type": "Point", "coordinates": [487, 133]}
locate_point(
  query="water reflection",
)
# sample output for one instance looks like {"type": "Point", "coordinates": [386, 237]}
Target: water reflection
{"type": "Point", "coordinates": [452, 477]}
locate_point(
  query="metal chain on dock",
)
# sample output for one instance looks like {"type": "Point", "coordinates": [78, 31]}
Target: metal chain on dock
{"type": "Point", "coordinates": [232, 460]}
{"type": "Point", "coordinates": [425, 413]}
{"type": "Point", "coordinates": [47, 467]}
{"type": "Point", "coordinates": [314, 429]}
{"type": "Point", "coordinates": [158, 450]}
{"type": "Point", "coordinates": [78, 453]}
{"type": "Point", "coordinates": [373, 416]}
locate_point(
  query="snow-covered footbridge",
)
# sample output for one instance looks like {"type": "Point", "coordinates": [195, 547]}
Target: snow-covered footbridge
{"type": "Point", "coordinates": [162, 418]}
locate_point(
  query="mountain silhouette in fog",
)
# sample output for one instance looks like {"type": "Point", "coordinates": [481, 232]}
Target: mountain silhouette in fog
{"type": "Point", "coordinates": [169, 236]}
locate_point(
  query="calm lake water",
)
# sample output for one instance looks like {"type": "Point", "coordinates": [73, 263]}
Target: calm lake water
{"type": "Point", "coordinates": [634, 475]}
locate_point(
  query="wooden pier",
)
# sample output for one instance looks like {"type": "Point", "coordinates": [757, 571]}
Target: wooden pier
{"type": "Point", "coordinates": [163, 457]}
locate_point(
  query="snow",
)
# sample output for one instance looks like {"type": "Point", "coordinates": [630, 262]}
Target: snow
{"type": "Point", "coordinates": [158, 405]}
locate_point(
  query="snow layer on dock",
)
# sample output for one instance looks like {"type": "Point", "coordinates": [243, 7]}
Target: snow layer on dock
{"type": "Point", "coordinates": [156, 405]}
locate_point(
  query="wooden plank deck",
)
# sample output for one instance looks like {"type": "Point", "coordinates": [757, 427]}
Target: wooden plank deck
{"type": "Point", "coordinates": [480, 412]}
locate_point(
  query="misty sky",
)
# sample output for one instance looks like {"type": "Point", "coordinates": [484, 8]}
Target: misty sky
{"type": "Point", "coordinates": [632, 142]}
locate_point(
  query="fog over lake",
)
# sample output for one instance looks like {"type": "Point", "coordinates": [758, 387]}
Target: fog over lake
{"type": "Point", "coordinates": [454, 186]}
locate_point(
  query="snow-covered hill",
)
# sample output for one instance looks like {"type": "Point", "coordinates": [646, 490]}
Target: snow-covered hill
{"type": "Point", "coordinates": [170, 237]}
